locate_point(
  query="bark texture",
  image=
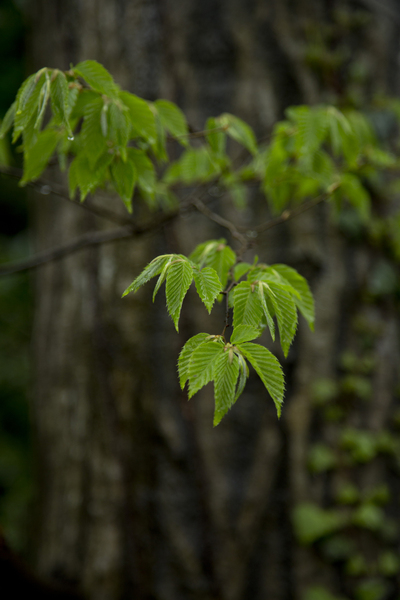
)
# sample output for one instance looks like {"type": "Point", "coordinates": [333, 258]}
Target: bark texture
{"type": "Point", "coordinates": [139, 496]}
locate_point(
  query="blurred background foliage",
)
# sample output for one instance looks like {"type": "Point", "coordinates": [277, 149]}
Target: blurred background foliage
{"type": "Point", "coordinates": [15, 307]}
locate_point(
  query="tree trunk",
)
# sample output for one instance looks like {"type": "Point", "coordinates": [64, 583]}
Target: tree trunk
{"type": "Point", "coordinates": [139, 496]}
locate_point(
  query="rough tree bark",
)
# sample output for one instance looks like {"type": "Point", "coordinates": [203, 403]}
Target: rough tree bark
{"type": "Point", "coordinates": [139, 496]}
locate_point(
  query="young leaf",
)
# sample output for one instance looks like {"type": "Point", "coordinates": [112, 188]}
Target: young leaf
{"type": "Point", "coordinates": [243, 375]}
{"type": "Point", "coordinates": [124, 178]}
{"type": "Point", "coordinates": [244, 333]}
{"type": "Point", "coordinates": [202, 364]}
{"type": "Point", "coordinates": [239, 131]}
{"type": "Point", "coordinates": [216, 139]}
{"type": "Point", "coordinates": [186, 354]}
{"type": "Point", "coordinates": [27, 101]}
{"type": "Point", "coordinates": [305, 303]}
{"type": "Point", "coordinates": [241, 269]}
{"type": "Point", "coordinates": [357, 195]}
{"type": "Point", "coordinates": [195, 164]}
{"type": "Point", "coordinates": [179, 278]}
{"type": "Point", "coordinates": [97, 77]}
{"type": "Point", "coordinates": [162, 277]}
{"type": "Point", "coordinates": [94, 142]}
{"type": "Point", "coordinates": [286, 313]}
{"type": "Point", "coordinates": [151, 270]}
{"type": "Point", "coordinates": [141, 117]}
{"type": "Point", "coordinates": [270, 275]}
{"type": "Point", "coordinates": [145, 170]}
{"type": "Point", "coordinates": [247, 309]}
{"type": "Point", "coordinates": [208, 285]}
{"type": "Point", "coordinates": [118, 125]}
{"type": "Point", "coordinates": [43, 99]}
{"type": "Point", "coordinates": [221, 260]}
{"type": "Point", "coordinates": [225, 378]}
{"type": "Point", "coordinates": [173, 119]}
{"type": "Point", "coordinates": [8, 120]}
{"type": "Point", "coordinates": [37, 156]}
{"type": "Point", "coordinates": [82, 175]}
{"type": "Point", "coordinates": [59, 94]}
{"type": "Point", "coordinates": [268, 369]}
{"type": "Point", "coordinates": [267, 313]}
{"type": "Point", "coordinates": [217, 255]}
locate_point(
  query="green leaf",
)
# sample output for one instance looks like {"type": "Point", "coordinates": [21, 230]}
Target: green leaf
{"type": "Point", "coordinates": [141, 117]}
{"type": "Point", "coordinates": [269, 275]}
{"type": "Point", "coordinates": [179, 278]}
{"type": "Point", "coordinates": [163, 276]}
{"type": "Point", "coordinates": [286, 313]}
{"type": "Point", "coordinates": [5, 154]}
{"type": "Point", "coordinates": [94, 142]}
{"type": "Point", "coordinates": [195, 164]}
{"type": "Point", "coordinates": [145, 170]}
{"type": "Point", "coordinates": [97, 77]}
{"type": "Point", "coordinates": [243, 375]}
{"type": "Point", "coordinates": [244, 333]}
{"type": "Point", "coordinates": [339, 129]}
{"type": "Point", "coordinates": [173, 119]}
{"type": "Point", "coordinates": [247, 308]}
{"type": "Point", "coordinates": [82, 175]}
{"type": "Point", "coordinates": [186, 354]}
{"type": "Point", "coordinates": [217, 255]}
{"type": "Point", "coordinates": [118, 125]}
{"type": "Point", "coordinates": [312, 125]}
{"type": "Point", "coordinates": [151, 270]}
{"type": "Point", "coordinates": [124, 178]}
{"type": "Point", "coordinates": [225, 378]}
{"type": "Point", "coordinates": [356, 194]}
{"type": "Point", "coordinates": [266, 310]}
{"type": "Point", "coordinates": [159, 147]}
{"type": "Point", "coordinates": [8, 120]}
{"type": "Point", "coordinates": [221, 260]}
{"type": "Point", "coordinates": [37, 157]}
{"type": "Point", "coordinates": [268, 369]}
{"type": "Point", "coordinates": [241, 269]}
{"type": "Point", "coordinates": [305, 303]}
{"type": "Point", "coordinates": [216, 139]}
{"type": "Point", "coordinates": [27, 102]}
{"type": "Point", "coordinates": [43, 99]}
{"type": "Point", "coordinates": [239, 131]}
{"type": "Point", "coordinates": [59, 94]}
{"type": "Point", "coordinates": [202, 364]}
{"type": "Point", "coordinates": [208, 285]}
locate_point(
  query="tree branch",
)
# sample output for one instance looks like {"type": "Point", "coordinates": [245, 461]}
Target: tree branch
{"type": "Point", "coordinates": [290, 214]}
{"type": "Point", "coordinates": [129, 228]}
{"type": "Point", "coordinates": [46, 187]}
{"type": "Point", "coordinates": [201, 207]}
{"type": "Point", "coordinates": [88, 239]}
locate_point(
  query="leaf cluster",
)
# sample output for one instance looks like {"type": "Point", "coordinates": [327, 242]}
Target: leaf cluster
{"type": "Point", "coordinates": [259, 295]}
{"type": "Point", "coordinates": [118, 140]}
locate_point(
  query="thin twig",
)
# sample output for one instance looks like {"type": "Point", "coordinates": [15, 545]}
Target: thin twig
{"type": "Point", "coordinates": [88, 239]}
{"type": "Point", "coordinates": [201, 207]}
{"type": "Point", "coordinates": [290, 214]}
{"type": "Point", "coordinates": [46, 187]}
{"type": "Point", "coordinates": [226, 294]}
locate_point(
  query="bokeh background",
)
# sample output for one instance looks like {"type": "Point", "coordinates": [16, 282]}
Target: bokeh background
{"type": "Point", "coordinates": [110, 480]}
